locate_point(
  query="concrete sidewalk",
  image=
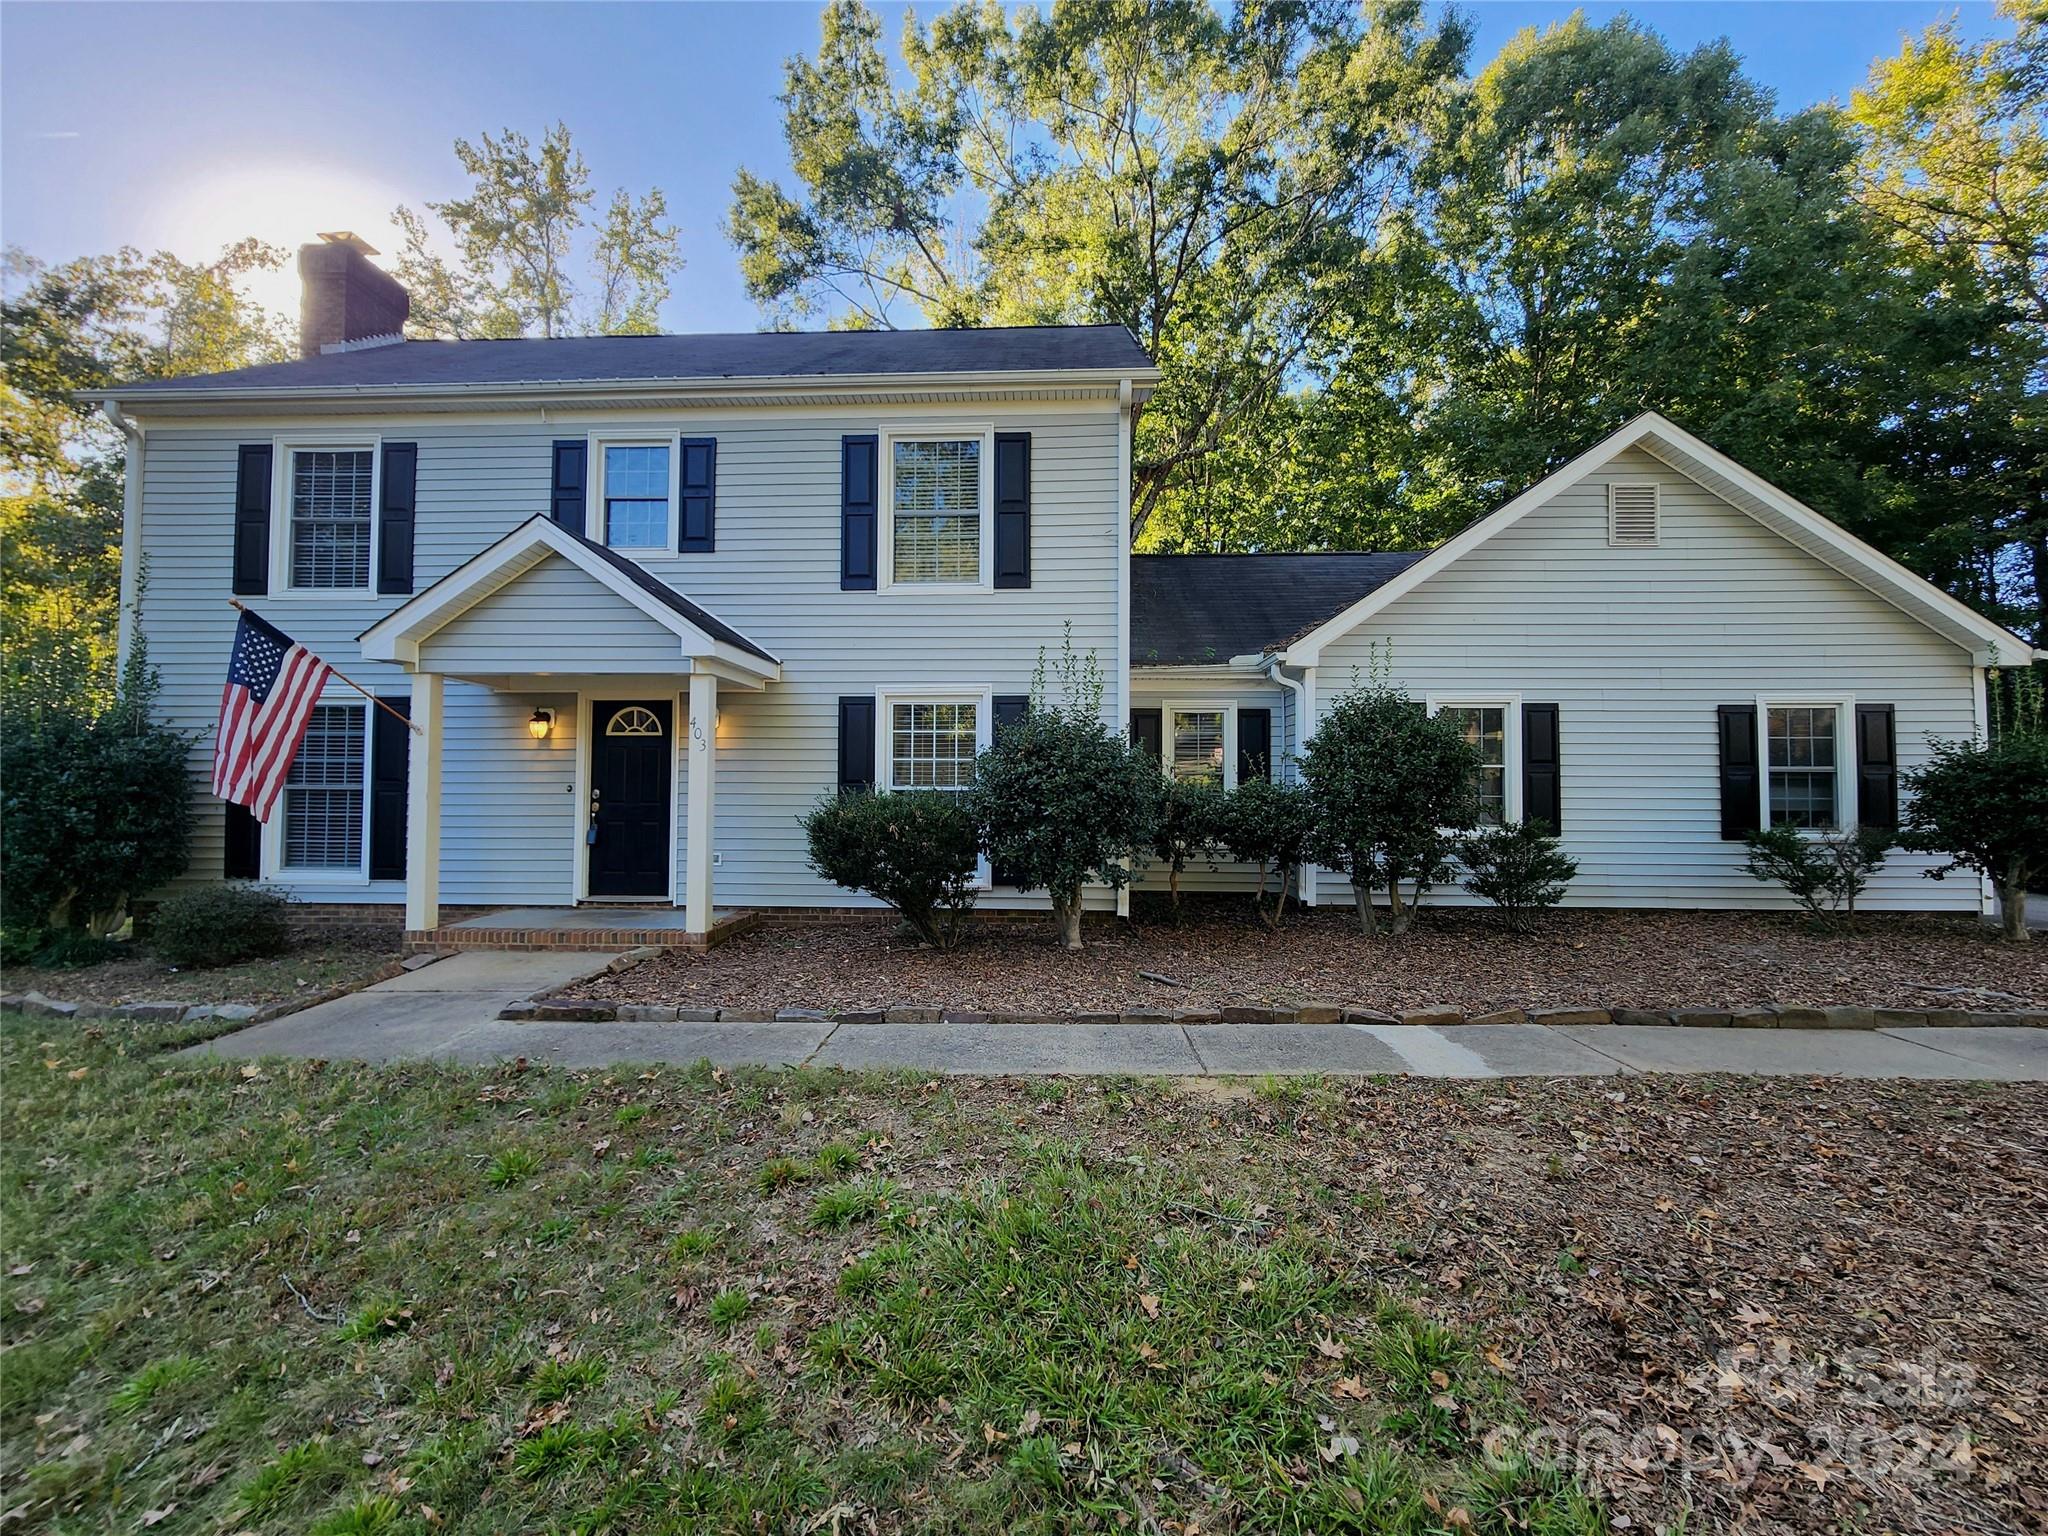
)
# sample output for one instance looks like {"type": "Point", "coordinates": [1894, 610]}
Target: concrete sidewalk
{"type": "Point", "coordinates": [448, 1012]}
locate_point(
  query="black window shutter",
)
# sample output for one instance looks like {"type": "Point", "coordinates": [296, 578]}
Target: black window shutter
{"type": "Point", "coordinates": [395, 517]}
{"type": "Point", "coordinates": [699, 482]}
{"type": "Point", "coordinates": [858, 514]}
{"type": "Point", "coordinates": [1013, 509]}
{"type": "Point", "coordinates": [1877, 766]}
{"type": "Point", "coordinates": [1740, 793]}
{"type": "Point", "coordinates": [390, 748]}
{"type": "Point", "coordinates": [572, 465]}
{"type": "Point", "coordinates": [1148, 728]}
{"type": "Point", "coordinates": [242, 856]}
{"type": "Point", "coordinates": [1006, 709]}
{"type": "Point", "coordinates": [1254, 744]}
{"type": "Point", "coordinates": [857, 742]}
{"type": "Point", "coordinates": [1542, 789]}
{"type": "Point", "coordinates": [251, 575]}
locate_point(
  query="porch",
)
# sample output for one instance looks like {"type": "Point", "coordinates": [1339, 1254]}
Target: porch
{"type": "Point", "coordinates": [594, 928]}
{"type": "Point", "coordinates": [548, 614]}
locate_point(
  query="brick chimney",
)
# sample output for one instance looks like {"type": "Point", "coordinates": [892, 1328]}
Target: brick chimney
{"type": "Point", "coordinates": [343, 298]}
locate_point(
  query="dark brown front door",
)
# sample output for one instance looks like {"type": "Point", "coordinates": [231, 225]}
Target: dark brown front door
{"type": "Point", "coordinates": [632, 752]}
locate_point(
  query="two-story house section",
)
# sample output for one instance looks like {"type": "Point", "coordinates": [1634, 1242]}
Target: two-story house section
{"type": "Point", "coordinates": [645, 599]}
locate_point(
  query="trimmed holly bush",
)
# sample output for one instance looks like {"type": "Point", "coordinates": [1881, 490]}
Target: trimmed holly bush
{"type": "Point", "coordinates": [1823, 874]}
{"type": "Point", "coordinates": [1985, 807]}
{"type": "Point", "coordinates": [206, 926]}
{"type": "Point", "coordinates": [1187, 826]}
{"type": "Point", "coordinates": [1391, 785]}
{"type": "Point", "coordinates": [1273, 826]}
{"type": "Point", "coordinates": [914, 849]}
{"type": "Point", "coordinates": [1063, 800]}
{"type": "Point", "coordinates": [1519, 868]}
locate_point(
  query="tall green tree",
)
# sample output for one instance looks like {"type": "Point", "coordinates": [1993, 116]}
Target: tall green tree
{"type": "Point", "coordinates": [1954, 170]}
{"type": "Point", "coordinates": [516, 236]}
{"type": "Point", "coordinates": [1214, 179]}
{"type": "Point", "coordinates": [79, 326]}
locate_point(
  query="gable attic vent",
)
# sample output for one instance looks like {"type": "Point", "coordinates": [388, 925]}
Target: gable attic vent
{"type": "Point", "coordinates": [1632, 514]}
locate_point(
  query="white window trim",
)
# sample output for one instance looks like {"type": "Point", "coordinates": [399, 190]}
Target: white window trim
{"type": "Point", "coordinates": [885, 502]}
{"type": "Point", "coordinates": [1845, 757]}
{"type": "Point", "coordinates": [1228, 707]}
{"type": "Point", "coordinates": [281, 451]}
{"type": "Point", "coordinates": [1510, 706]}
{"type": "Point", "coordinates": [272, 860]}
{"type": "Point", "coordinates": [593, 487]}
{"type": "Point", "coordinates": [983, 698]}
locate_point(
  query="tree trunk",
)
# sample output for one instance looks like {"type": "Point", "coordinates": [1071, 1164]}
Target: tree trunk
{"type": "Point", "coordinates": [2012, 909]}
{"type": "Point", "coordinates": [1361, 893]}
{"type": "Point", "coordinates": [1066, 913]}
{"type": "Point", "coordinates": [1399, 913]}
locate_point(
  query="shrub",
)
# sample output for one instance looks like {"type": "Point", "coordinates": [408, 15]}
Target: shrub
{"type": "Point", "coordinates": [1390, 784]}
{"type": "Point", "coordinates": [1185, 826]}
{"type": "Point", "coordinates": [1985, 807]}
{"type": "Point", "coordinates": [1518, 868]}
{"type": "Point", "coordinates": [95, 810]}
{"type": "Point", "coordinates": [1272, 826]}
{"type": "Point", "coordinates": [1823, 874]}
{"type": "Point", "coordinates": [1062, 799]}
{"type": "Point", "coordinates": [212, 925]}
{"type": "Point", "coordinates": [914, 849]}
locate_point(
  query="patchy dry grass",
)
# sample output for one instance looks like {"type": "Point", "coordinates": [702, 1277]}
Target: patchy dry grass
{"type": "Point", "coordinates": [312, 1298]}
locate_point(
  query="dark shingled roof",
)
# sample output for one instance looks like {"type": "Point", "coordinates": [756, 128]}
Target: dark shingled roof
{"type": "Point", "coordinates": [639, 359]}
{"type": "Point", "coordinates": [1187, 610]}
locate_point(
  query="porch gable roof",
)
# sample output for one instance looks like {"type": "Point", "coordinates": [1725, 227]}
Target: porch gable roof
{"type": "Point", "coordinates": [701, 635]}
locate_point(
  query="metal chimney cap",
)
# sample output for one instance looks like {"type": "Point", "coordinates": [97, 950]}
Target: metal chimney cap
{"type": "Point", "coordinates": [349, 238]}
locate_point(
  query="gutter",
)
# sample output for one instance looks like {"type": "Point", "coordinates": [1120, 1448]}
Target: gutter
{"type": "Point", "coordinates": [131, 527]}
{"type": "Point", "coordinates": [1275, 668]}
{"type": "Point", "coordinates": [1111, 381]}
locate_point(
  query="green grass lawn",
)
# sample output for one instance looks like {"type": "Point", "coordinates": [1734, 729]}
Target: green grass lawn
{"type": "Point", "coordinates": [332, 1299]}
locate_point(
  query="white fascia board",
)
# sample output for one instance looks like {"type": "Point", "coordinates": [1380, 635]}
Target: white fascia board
{"type": "Point", "coordinates": [1870, 568]}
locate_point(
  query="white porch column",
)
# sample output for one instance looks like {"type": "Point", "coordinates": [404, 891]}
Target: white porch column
{"type": "Point", "coordinates": [423, 806]}
{"type": "Point", "coordinates": [703, 780]}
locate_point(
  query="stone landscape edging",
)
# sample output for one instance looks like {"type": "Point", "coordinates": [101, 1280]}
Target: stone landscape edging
{"type": "Point", "coordinates": [553, 1007]}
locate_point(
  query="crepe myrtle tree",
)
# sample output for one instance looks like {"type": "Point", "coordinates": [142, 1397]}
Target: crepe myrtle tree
{"type": "Point", "coordinates": [1392, 786]}
{"type": "Point", "coordinates": [1061, 798]}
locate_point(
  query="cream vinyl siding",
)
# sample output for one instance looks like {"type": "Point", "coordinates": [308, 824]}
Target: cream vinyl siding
{"type": "Point", "coordinates": [509, 821]}
{"type": "Point", "coordinates": [1637, 646]}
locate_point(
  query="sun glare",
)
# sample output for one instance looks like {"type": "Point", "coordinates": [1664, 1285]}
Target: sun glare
{"type": "Point", "coordinates": [286, 204]}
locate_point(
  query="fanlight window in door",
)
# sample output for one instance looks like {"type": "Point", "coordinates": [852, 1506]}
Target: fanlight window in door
{"type": "Point", "coordinates": [634, 722]}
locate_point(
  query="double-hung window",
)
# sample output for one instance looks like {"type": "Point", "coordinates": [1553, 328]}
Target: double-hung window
{"type": "Point", "coordinates": [1803, 752]}
{"type": "Point", "coordinates": [1198, 752]}
{"type": "Point", "coordinates": [938, 520]}
{"type": "Point", "coordinates": [636, 507]}
{"type": "Point", "coordinates": [330, 523]}
{"type": "Point", "coordinates": [1493, 727]}
{"type": "Point", "coordinates": [324, 801]}
{"type": "Point", "coordinates": [932, 742]}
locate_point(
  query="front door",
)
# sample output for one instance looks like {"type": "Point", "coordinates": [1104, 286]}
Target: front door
{"type": "Point", "coordinates": [631, 756]}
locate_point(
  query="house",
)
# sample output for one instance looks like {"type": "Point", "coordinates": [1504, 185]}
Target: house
{"type": "Point", "coordinates": [645, 599]}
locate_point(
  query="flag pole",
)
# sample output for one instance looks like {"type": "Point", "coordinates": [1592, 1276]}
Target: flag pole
{"type": "Point", "coordinates": [404, 720]}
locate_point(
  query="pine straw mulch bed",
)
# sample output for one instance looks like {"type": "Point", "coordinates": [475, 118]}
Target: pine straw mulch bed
{"type": "Point", "coordinates": [135, 975]}
{"type": "Point", "coordinates": [1452, 958]}
{"type": "Point", "coordinates": [1791, 1306]}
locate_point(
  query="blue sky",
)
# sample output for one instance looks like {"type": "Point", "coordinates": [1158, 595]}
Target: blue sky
{"type": "Point", "coordinates": [183, 126]}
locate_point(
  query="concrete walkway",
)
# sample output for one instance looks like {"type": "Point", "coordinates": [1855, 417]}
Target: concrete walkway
{"type": "Point", "coordinates": [448, 1011]}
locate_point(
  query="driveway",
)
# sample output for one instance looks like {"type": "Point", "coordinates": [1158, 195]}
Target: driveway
{"type": "Point", "coordinates": [448, 1012]}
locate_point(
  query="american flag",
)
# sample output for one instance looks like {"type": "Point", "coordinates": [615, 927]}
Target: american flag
{"type": "Point", "coordinates": [273, 684]}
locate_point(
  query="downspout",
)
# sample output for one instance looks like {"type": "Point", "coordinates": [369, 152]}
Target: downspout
{"type": "Point", "coordinates": [1126, 425]}
{"type": "Point", "coordinates": [131, 527]}
{"type": "Point", "coordinates": [1304, 690]}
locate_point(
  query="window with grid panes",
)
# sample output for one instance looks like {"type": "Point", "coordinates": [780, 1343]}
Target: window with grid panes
{"type": "Point", "coordinates": [323, 791]}
{"type": "Point", "coordinates": [330, 523]}
{"type": "Point", "coordinates": [1801, 743]}
{"type": "Point", "coordinates": [935, 507]}
{"type": "Point", "coordinates": [932, 746]}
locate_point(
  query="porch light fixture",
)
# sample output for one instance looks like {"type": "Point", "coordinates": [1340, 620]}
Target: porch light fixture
{"type": "Point", "coordinates": [542, 723]}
